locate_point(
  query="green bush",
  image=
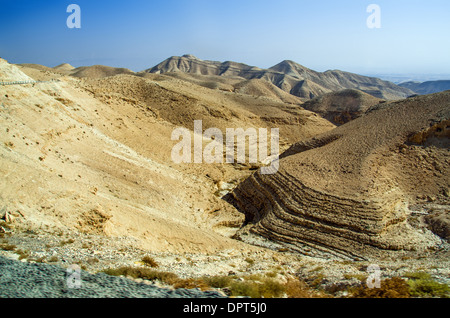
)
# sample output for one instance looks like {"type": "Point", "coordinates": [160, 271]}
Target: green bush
{"type": "Point", "coordinates": [218, 281]}
{"type": "Point", "coordinates": [254, 286]}
{"type": "Point", "coordinates": [271, 288]}
{"type": "Point", "coordinates": [421, 284]}
{"type": "Point", "coordinates": [244, 288]}
{"type": "Point", "coordinates": [267, 288]}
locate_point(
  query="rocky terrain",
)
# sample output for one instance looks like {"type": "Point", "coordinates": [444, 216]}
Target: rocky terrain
{"type": "Point", "coordinates": [354, 191]}
{"type": "Point", "coordinates": [88, 179]}
{"type": "Point", "coordinates": [22, 280]}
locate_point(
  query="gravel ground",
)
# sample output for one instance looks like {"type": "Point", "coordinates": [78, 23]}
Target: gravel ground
{"type": "Point", "coordinates": [37, 280]}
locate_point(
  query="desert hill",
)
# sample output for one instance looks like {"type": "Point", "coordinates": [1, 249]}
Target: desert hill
{"type": "Point", "coordinates": [36, 67]}
{"type": "Point", "coordinates": [95, 71]}
{"type": "Point", "coordinates": [428, 87]}
{"type": "Point", "coordinates": [335, 80]}
{"type": "Point", "coordinates": [72, 163]}
{"type": "Point", "coordinates": [352, 191]}
{"type": "Point", "coordinates": [260, 87]}
{"type": "Point", "coordinates": [180, 103]}
{"type": "Point", "coordinates": [180, 98]}
{"type": "Point", "coordinates": [287, 75]}
{"type": "Point", "coordinates": [191, 64]}
{"type": "Point", "coordinates": [255, 87]}
{"type": "Point", "coordinates": [64, 67]}
{"type": "Point", "coordinates": [98, 71]}
{"type": "Point", "coordinates": [93, 154]}
{"type": "Point", "coordinates": [342, 106]}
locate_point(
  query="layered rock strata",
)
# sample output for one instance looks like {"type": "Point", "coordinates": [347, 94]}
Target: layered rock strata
{"type": "Point", "coordinates": [347, 192]}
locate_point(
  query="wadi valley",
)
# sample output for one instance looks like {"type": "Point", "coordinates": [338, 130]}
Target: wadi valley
{"type": "Point", "coordinates": [88, 176]}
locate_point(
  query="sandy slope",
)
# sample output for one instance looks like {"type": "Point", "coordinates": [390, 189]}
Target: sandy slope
{"type": "Point", "coordinates": [95, 154]}
{"type": "Point", "coordinates": [342, 106]}
{"type": "Point", "coordinates": [70, 161]}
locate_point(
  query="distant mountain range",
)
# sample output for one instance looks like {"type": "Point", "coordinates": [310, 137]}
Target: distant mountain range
{"type": "Point", "coordinates": [287, 81]}
{"type": "Point", "coordinates": [428, 87]}
{"type": "Point", "coordinates": [288, 75]}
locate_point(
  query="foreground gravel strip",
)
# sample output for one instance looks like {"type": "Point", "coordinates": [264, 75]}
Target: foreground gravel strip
{"type": "Point", "coordinates": [24, 280]}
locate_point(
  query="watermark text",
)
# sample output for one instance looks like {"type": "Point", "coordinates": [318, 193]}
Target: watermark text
{"type": "Point", "coordinates": [374, 19]}
{"type": "Point", "coordinates": [214, 152]}
{"type": "Point", "coordinates": [74, 19]}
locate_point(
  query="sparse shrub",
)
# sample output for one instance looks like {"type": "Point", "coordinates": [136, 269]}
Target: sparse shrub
{"type": "Point", "coordinates": [144, 273]}
{"type": "Point", "coordinates": [53, 259]}
{"type": "Point", "coordinates": [22, 254]}
{"type": "Point", "coordinates": [267, 288]}
{"type": "Point", "coordinates": [360, 277]}
{"type": "Point", "coordinates": [394, 287]}
{"type": "Point", "coordinates": [93, 260]}
{"type": "Point", "coordinates": [218, 281]}
{"type": "Point", "coordinates": [149, 261]}
{"type": "Point", "coordinates": [4, 224]}
{"type": "Point", "coordinates": [69, 241]}
{"type": "Point", "coordinates": [298, 289]}
{"type": "Point", "coordinates": [244, 288]}
{"type": "Point", "coordinates": [271, 288]}
{"type": "Point", "coordinates": [417, 275]}
{"type": "Point", "coordinates": [253, 286]}
{"type": "Point", "coordinates": [271, 274]}
{"type": "Point", "coordinates": [317, 269]}
{"type": "Point", "coordinates": [8, 247]}
{"type": "Point", "coordinates": [317, 281]}
{"type": "Point", "coordinates": [40, 259]}
{"type": "Point", "coordinates": [421, 284]}
{"type": "Point", "coordinates": [191, 283]}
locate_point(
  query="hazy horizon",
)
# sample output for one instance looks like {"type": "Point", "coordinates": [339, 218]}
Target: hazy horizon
{"type": "Point", "coordinates": [323, 35]}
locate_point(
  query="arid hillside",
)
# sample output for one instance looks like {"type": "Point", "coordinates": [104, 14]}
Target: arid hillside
{"type": "Point", "coordinates": [94, 154]}
{"type": "Point", "coordinates": [357, 190]}
{"type": "Point", "coordinates": [72, 162]}
{"type": "Point", "coordinates": [342, 106]}
{"type": "Point", "coordinates": [94, 71]}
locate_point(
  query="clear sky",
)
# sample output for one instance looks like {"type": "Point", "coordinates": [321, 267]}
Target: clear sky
{"type": "Point", "coordinates": [323, 34]}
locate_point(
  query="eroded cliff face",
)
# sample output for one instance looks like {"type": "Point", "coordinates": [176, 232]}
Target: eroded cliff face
{"type": "Point", "coordinates": [349, 192]}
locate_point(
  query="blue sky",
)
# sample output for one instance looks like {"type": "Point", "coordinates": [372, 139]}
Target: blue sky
{"type": "Point", "coordinates": [414, 36]}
